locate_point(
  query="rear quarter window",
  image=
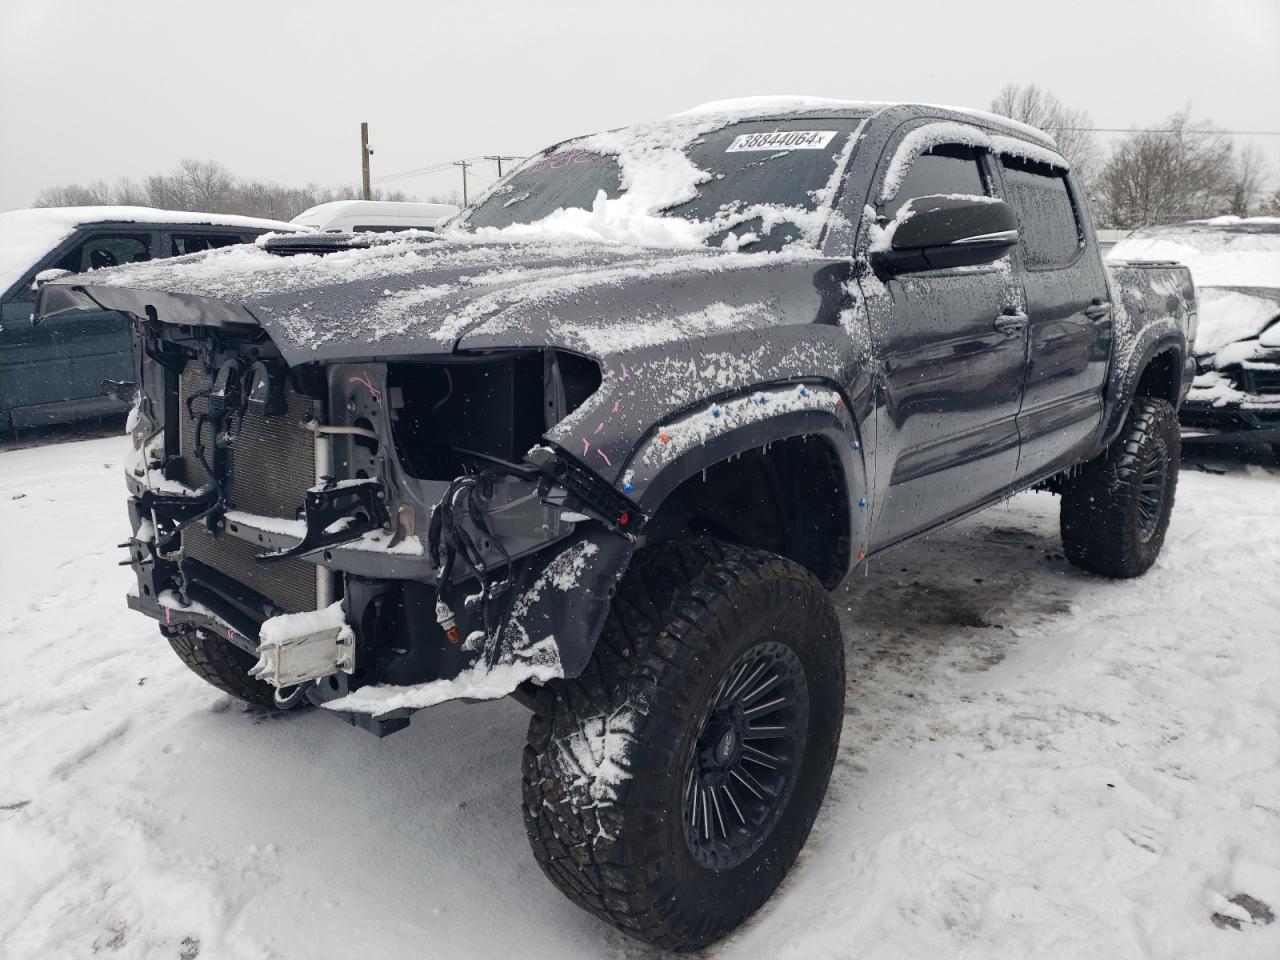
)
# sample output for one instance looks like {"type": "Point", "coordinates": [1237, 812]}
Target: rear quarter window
{"type": "Point", "coordinates": [1048, 222]}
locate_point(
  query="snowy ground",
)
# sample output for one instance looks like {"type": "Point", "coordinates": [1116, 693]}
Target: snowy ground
{"type": "Point", "coordinates": [1036, 763]}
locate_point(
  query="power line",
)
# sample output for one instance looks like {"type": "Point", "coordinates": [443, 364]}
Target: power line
{"type": "Point", "coordinates": [423, 171]}
{"type": "Point", "coordinates": [499, 158]}
{"type": "Point", "coordinates": [1233, 133]}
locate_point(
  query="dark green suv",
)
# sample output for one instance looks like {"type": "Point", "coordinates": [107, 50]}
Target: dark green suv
{"type": "Point", "coordinates": [54, 371]}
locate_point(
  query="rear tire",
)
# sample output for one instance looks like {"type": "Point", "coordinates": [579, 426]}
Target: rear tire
{"type": "Point", "coordinates": [1116, 508]}
{"type": "Point", "coordinates": [669, 707]}
{"type": "Point", "coordinates": [220, 663]}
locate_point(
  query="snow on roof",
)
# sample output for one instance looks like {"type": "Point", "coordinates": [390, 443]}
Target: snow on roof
{"type": "Point", "coordinates": [374, 208]}
{"type": "Point", "coordinates": [1230, 220]}
{"type": "Point", "coordinates": [801, 103]}
{"type": "Point", "coordinates": [27, 235]}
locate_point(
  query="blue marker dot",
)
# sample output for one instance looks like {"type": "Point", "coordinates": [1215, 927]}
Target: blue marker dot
{"type": "Point", "coordinates": [763, 399]}
{"type": "Point", "coordinates": [862, 503]}
{"type": "Point", "coordinates": [804, 391]}
{"type": "Point", "coordinates": [715, 411]}
{"type": "Point", "coordinates": [857, 445]}
{"type": "Point", "coordinates": [627, 488]}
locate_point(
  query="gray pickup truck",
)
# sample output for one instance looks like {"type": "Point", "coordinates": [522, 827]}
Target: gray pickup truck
{"type": "Point", "coordinates": [606, 444]}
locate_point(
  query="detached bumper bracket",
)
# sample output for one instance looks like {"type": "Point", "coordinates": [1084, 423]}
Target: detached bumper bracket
{"type": "Point", "coordinates": [337, 513]}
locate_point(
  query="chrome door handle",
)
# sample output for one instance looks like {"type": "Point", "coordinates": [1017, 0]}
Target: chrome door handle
{"type": "Point", "coordinates": [1097, 310]}
{"type": "Point", "coordinates": [1011, 324]}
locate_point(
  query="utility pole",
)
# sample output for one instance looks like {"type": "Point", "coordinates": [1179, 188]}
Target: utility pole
{"type": "Point", "coordinates": [365, 153]}
{"type": "Point", "coordinates": [464, 164]}
{"type": "Point", "coordinates": [499, 162]}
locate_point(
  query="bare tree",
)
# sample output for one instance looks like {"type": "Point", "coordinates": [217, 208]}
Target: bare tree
{"type": "Point", "coordinates": [1271, 208]}
{"type": "Point", "coordinates": [1181, 170]}
{"type": "Point", "coordinates": [1069, 128]}
{"type": "Point", "coordinates": [1248, 180]}
{"type": "Point", "coordinates": [205, 186]}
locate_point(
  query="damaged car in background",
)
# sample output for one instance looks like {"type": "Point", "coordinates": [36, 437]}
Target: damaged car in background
{"type": "Point", "coordinates": [1235, 264]}
{"type": "Point", "coordinates": [606, 443]}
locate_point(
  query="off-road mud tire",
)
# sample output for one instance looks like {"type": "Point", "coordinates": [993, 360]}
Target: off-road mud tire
{"type": "Point", "coordinates": [684, 615]}
{"type": "Point", "coordinates": [1103, 528]}
{"type": "Point", "coordinates": [221, 664]}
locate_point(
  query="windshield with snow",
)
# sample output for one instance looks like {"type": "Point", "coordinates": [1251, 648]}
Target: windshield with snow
{"type": "Point", "coordinates": [752, 185]}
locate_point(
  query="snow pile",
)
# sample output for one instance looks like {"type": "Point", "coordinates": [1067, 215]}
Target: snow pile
{"type": "Point", "coordinates": [1229, 315]}
{"type": "Point", "coordinates": [1222, 252]}
{"type": "Point", "coordinates": [1234, 253]}
{"type": "Point", "coordinates": [1035, 763]}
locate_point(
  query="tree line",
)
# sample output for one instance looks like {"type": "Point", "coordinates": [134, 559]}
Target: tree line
{"type": "Point", "coordinates": [210, 187]}
{"type": "Point", "coordinates": [1178, 169]}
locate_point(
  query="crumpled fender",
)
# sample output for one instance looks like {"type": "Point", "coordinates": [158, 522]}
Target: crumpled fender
{"type": "Point", "coordinates": [567, 595]}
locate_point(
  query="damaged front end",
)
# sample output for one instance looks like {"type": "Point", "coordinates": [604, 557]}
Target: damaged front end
{"type": "Point", "coordinates": [382, 536]}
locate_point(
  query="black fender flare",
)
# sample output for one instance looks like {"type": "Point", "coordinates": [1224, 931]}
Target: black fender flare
{"type": "Point", "coordinates": [693, 442]}
{"type": "Point", "coordinates": [1160, 335]}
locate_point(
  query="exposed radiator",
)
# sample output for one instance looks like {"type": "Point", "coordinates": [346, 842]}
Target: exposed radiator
{"type": "Point", "coordinates": [271, 464]}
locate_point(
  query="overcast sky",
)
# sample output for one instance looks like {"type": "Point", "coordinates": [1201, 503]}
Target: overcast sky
{"type": "Point", "coordinates": [107, 88]}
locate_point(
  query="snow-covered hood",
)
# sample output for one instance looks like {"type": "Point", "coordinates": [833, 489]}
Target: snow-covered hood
{"type": "Point", "coordinates": [1231, 314]}
{"type": "Point", "coordinates": [401, 296]}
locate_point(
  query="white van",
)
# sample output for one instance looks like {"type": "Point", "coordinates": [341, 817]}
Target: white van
{"type": "Point", "coordinates": [374, 216]}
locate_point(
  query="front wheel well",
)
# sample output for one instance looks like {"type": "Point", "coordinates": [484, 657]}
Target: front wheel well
{"type": "Point", "coordinates": [789, 497]}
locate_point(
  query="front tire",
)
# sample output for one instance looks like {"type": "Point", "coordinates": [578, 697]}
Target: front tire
{"type": "Point", "coordinates": [220, 664]}
{"type": "Point", "coordinates": [669, 788]}
{"type": "Point", "coordinates": [1116, 508]}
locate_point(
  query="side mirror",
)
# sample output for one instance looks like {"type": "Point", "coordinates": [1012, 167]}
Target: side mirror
{"type": "Point", "coordinates": [44, 276]}
{"type": "Point", "coordinates": [934, 233]}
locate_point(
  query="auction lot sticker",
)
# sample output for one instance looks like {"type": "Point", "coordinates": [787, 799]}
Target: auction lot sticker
{"type": "Point", "coordinates": [781, 140]}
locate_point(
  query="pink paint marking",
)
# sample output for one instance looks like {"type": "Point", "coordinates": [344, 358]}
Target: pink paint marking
{"type": "Point", "coordinates": [604, 456]}
{"type": "Point", "coordinates": [599, 427]}
{"type": "Point", "coordinates": [615, 405]}
{"type": "Point", "coordinates": [168, 616]}
{"type": "Point", "coordinates": [623, 366]}
{"type": "Point", "coordinates": [585, 446]}
{"type": "Point", "coordinates": [377, 394]}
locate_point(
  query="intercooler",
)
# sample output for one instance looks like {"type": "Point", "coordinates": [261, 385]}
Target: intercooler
{"type": "Point", "coordinates": [271, 462]}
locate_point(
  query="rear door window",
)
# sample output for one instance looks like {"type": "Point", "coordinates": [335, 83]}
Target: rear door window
{"type": "Point", "coordinates": [950, 168]}
{"type": "Point", "coordinates": [107, 250]}
{"type": "Point", "coordinates": [1048, 222]}
{"type": "Point", "coordinates": [182, 243]}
